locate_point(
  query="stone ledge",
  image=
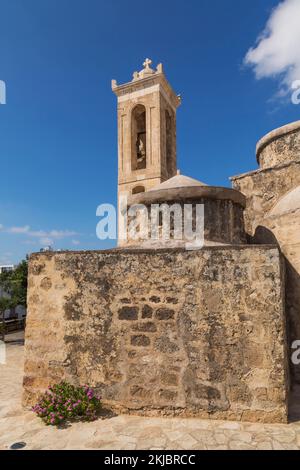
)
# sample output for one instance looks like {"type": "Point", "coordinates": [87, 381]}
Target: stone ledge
{"type": "Point", "coordinates": [188, 193]}
{"type": "Point", "coordinates": [264, 170]}
{"type": "Point", "coordinates": [113, 251]}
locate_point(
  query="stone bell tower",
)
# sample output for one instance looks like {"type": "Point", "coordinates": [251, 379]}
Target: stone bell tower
{"type": "Point", "coordinates": [146, 130]}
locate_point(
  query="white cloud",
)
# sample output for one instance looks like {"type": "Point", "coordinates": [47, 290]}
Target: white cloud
{"type": "Point", "coordinates": [277, 52]}
{"type": "Point", "coordinates": [56, 234]}
{"type": "Point", "coordinates": [46, 241]}
{"type": "Point", "coordinates": [40, 237]}
{"type": "Point", "coordinates": [24, 229]}
{"type": "Point", "coordinates": [62, 233]}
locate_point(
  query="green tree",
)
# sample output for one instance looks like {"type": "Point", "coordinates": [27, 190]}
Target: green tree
{"type": "Point", "coordinates": [13, 285]}
{"type": "Point", "coordinates": [4, 305]}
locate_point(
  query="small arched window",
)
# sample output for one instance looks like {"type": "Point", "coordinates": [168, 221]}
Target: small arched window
{"type": "Point", "coordinates": [138, 189]}
{"type": "Point", "coordinates": [138, 138]}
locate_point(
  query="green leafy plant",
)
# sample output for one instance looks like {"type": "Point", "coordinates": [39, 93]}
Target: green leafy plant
{"type": "Point", "coordinates": [64, 402]}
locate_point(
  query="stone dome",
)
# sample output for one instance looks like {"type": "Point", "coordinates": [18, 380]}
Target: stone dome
{"type": "Point", "coordinates": [178, 181]}
{"type": "Point", "coordinates": [183, 188]}
{"type": "Point", "coordinates": [223, 211]}
{"type": "Point", "coordinates": [290, 202]}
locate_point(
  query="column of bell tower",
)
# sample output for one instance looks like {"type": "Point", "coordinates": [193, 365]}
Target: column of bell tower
{"type": "Point", "coordinates": [146, 130]}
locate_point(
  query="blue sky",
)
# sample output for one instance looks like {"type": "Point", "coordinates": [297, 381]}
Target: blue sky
{"type": "Point", "coordinates": [58, 134]}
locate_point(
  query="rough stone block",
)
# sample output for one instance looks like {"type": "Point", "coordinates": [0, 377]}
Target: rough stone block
{"type": "Point", "coordinates": [147, 311]}
{"type": "Point", "coordinates": [164, 314]}
{"type": "Point", "coordinates": [140, 340]}
{"type": "Point", "coordinates": [128, 313]}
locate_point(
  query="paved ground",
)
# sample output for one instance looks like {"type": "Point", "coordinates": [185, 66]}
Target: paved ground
{"type": "Point", "coordinates": [126, 432]}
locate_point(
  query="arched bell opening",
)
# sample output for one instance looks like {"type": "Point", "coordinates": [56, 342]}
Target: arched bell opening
{"type": "Point", "coordinates": [138, 142]}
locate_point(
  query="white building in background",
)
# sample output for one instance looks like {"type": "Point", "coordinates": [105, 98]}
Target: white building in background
{"type": "Point", "coordinates": [14, 313]}
{"type": "Point", "coordinates": [6, 267]}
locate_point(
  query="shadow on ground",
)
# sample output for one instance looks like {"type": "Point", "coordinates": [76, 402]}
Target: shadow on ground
{"type": "Point", "coordinates": [104, 414]}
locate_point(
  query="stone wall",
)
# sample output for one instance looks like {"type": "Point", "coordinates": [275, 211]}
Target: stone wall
{"type": "Point", "coordinates": [168, 332]}
{"type": "Point", "coordinates": [279, 146]}
{"type": "Point", "coordinates": [285, 226]}
{"type": "Point", "coordinates": [263, 189]}
{"type": "Point", "coordinates": [223, 223]}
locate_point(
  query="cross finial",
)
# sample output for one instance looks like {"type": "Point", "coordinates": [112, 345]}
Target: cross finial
{"type": "Point", "coordinates": [147, 63]}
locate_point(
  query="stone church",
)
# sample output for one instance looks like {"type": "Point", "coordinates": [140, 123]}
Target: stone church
{"type": "Point", "coordinates": [159, 329]}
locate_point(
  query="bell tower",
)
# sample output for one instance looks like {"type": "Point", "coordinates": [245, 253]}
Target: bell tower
{"type": "Point", "coordinates": [146, 130]}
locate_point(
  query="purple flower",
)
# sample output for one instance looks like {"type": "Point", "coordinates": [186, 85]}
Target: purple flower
{"type": "Point", "coordinates": [90, 393]}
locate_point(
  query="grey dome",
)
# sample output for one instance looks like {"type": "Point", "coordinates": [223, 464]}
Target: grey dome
{"type": "Point", "coordinates": [178, 181]}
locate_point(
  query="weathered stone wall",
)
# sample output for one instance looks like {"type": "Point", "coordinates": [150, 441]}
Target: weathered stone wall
{"type": "Point", "coordinates": [173, 332]}
{"type": "Point", "coordinates": [223, 224]}
{"type": "Point", "coordinates": [285, 227]}
{"type": "Point", "coordinates": [263, 189]}
{"type": "Point", "coordinates": [279, 146]}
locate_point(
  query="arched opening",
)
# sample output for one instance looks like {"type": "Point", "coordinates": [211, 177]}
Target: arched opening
{"type": "Point", "coordinates": [138, 189]}
{"type": "Point", "coordinates": [138, 142]}
{"type": "Point", "coordinates": [169, 163]}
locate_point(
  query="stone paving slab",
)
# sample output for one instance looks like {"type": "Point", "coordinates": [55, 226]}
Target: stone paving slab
{"type": "Point", "coordinates": [127, 432]}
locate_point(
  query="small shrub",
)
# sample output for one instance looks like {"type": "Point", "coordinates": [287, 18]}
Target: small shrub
{"type": "Point", "coordinates": [65, 402]}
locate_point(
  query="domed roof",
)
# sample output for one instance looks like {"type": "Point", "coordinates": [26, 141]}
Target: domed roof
{"type": "Point", "coordinates": [178, 181]}
{"type": "Point", "coordinates": [279, 152]}
{"type": "Point", "coordinates": [275, 134]}
{"type": "Point", "coordinates": [183, 188]}
{"type": "Point", "coordinates": [288, 203]}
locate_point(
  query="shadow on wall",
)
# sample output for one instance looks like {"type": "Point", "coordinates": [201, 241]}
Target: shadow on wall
{"type": "Point", "coordinates": [264, 236]}
{"type": "Point", "coordinates": [293, 334]}
{"type": "Point", "coordinates": [293, 315]}
{"type": "Point", "coordinates": [292, 298]}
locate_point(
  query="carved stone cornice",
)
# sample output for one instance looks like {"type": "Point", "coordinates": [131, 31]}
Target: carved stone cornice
{"type": "Point", "coordinates": [142, 81]}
